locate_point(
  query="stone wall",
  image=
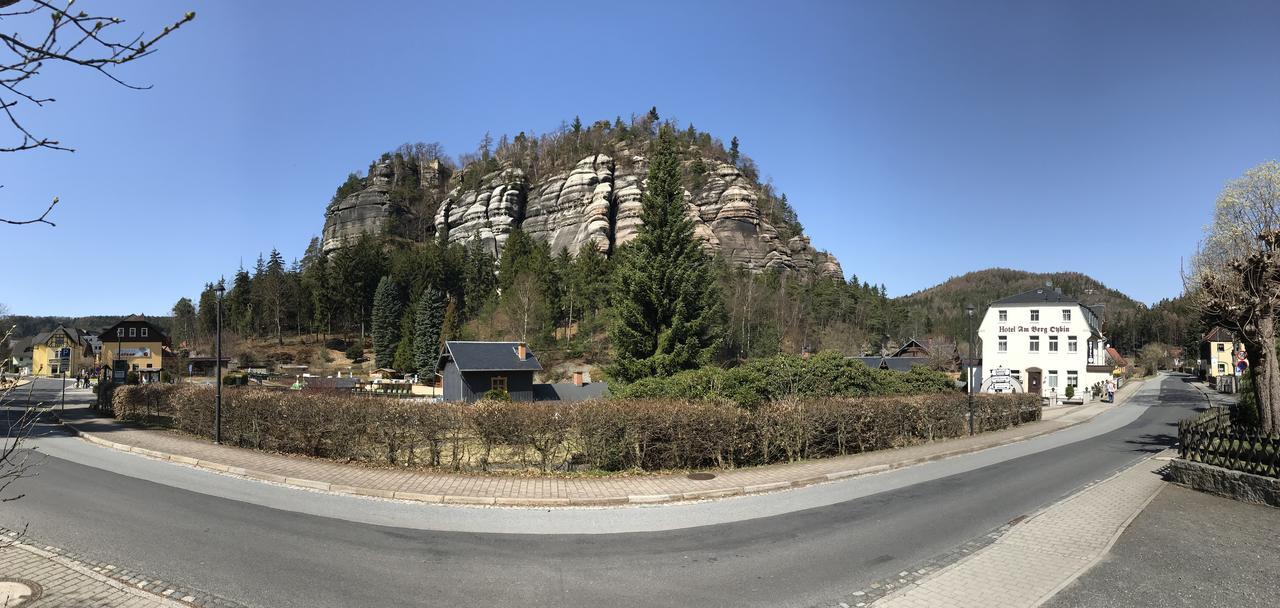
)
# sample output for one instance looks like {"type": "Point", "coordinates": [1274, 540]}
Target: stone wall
{"type": "Point", "coordinates": [1245, 487]}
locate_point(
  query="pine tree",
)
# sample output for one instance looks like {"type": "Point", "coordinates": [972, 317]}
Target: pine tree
{"type": "Point", "coordinates": [667, 311]}
{"type": "Point", "coordinates": [733, 151]}
{"type": "Point", "coordinates": [386, 321]}
{"type": "Point", "coordinates": [428, 325]}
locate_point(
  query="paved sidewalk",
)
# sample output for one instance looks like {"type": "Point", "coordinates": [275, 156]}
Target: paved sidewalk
{"type": "Point", "coordinates": [54, 580]}
{"type": "Point", "coordinates": [1044, 553]}
{"type": "Point", "coordinates": [1186, 550]}
{"type": "Point", "coordinates": [436, 487]}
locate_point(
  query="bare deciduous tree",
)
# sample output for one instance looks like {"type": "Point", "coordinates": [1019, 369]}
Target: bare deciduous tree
{"type": "Point", "coordinates": [58, 33]}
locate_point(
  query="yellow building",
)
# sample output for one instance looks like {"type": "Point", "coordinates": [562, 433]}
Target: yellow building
{"type": "Point", "coordinates": [62, 350]}
{"type": "Point", "coordinates": [133, 344]}
{"type": "Point", "coordinates": [1219, 352]}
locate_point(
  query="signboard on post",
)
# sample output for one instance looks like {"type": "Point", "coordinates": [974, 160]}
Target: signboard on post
{"type": "Point", "coordinates": [119, 371]}
{"type": "Point", "coordinates": [1001, 381]}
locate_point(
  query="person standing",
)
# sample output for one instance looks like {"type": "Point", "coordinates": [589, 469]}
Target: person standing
{"type": "Point", "coordinates": [1111, 391]}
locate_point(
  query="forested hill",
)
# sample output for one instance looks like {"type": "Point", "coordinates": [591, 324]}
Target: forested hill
{"type": "Point", "coordinates": [27, 325]}
{"type": "Point", "coordinates": [939, 310]}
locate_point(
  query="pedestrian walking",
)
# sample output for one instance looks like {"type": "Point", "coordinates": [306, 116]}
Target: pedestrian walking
{"type": "Point", "coordinates": [1111, 391]}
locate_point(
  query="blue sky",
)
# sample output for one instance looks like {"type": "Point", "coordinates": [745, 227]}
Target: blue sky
{"type": "Point", "coordinates": [917, 140]}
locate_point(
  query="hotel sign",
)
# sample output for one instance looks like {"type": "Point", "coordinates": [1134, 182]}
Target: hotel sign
{"type": "Point", "coordinates": [1034, 329]}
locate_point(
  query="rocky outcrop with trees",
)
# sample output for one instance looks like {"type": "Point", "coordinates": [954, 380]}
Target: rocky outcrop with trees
{"type": "Point", "coordinates": [580, 185]}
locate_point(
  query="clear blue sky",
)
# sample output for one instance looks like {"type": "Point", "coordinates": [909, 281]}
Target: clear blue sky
{"type": "Point", "coordinates": [917, 140]}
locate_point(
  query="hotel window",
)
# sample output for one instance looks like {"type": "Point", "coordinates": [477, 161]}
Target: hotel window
{"type": "Point", "coordinates": [498, 383]}
{"type": "Point", "coordinates": [133, 331]}
{"type": "Point", "coordinates": [1004, 315]}
{"type": "Point", "coordinates": [1035, 344]}
{"type": "Point", "coordinates": [1072, 345]}
{"type": "Point", "coordinates": [1073, 378]}
{"type": "Point", "coordinates": [1017, 375]}
{"type": "Point", "coordinates": [1053, 344]}
{"type": "Point", "coordinates": [1052, 381]}
{"type": "Point", "coordinates": [144, 332]}
{"type": "Point", "coordinates": [1035, 315]}
{"type": "Point", "coordinates": [1002, 344]}
{"type": "Point", "coordinates": [1066, 314]}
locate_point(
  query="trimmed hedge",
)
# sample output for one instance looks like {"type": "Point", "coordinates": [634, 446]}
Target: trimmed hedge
{"type": "Point", "coordinates": [608, 435]}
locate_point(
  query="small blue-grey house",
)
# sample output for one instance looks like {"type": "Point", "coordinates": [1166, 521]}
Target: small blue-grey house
{"type": "Point", "coordinates": [470, 369]}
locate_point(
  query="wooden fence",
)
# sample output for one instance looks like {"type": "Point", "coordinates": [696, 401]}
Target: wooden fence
{"type": "Point", "coordinates": [1211, 439]}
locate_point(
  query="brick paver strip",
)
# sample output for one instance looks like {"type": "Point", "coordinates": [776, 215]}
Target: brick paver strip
{"type": "Point", "coordinates": [67, 582]}
{"type": "Point", "coordinates": [1040, 556]}
{"type": "Point", "coordinates": [436, 487]}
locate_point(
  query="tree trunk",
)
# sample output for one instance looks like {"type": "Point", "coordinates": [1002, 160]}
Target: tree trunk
{"type": "Point", "coordinates": [1266, 374]}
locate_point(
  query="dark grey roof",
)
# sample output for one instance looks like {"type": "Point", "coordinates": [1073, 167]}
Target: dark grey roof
{"type": "Point", "coordinates": [904, 364]}
{"type": "Point", "coordinates": [871, 362]}
{"type": "Point", "coordinates": [907, 345]}
{"type": "Point", "coordinates": [569, 391]}
{"type": "Point", "coordinates": [489, 356]}
{"type": "Point", "coordinates": [1037, 295]}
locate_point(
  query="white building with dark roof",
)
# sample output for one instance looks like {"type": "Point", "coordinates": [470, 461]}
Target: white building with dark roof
{"type": "Point", "coordinates": [1042, 341]}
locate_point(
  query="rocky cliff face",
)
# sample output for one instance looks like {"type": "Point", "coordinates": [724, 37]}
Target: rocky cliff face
{"type": "Point", "coordinates": [598, 203]}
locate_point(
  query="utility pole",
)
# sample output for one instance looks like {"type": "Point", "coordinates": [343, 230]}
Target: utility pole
{"type": "Point", "coordinates": [217, 405]}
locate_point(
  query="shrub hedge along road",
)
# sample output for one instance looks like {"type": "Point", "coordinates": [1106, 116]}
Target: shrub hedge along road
{"type": "Point", "coordinates": [605, 435]}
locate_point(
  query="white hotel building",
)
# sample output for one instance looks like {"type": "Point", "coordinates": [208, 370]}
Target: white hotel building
{"type": "Point", "coordinates": [1042, 342]}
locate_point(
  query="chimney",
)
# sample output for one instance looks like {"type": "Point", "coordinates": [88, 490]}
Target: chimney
{"type": "Point", "coordinates": [577, 378]}
{"type": "Point", "coordinates": [522, 351]}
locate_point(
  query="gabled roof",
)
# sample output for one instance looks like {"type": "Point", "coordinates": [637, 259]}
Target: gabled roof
{"type": "Point", "coordinates": [1036, 296]}
{"type": "Point", "coordinates": [1116, 359]}
{"type": "Point", "coordinates": [488, 356]}
{"type": "Point", "coordinates": [1219, 334]}
{"type": "Point", "coordinates": [77, 336]}
{"type": "Point", "coordinates": [109, 334]}
{"type": "Point", "coordinates": [912, 342]}
{"type": "Point", "coordinates": [871, 362]}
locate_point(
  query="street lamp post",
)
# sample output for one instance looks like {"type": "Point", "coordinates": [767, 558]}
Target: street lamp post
{"type": "Point", "coordinates": [968, 385]}
{"type": "Point", "coordinates": [217, 404]}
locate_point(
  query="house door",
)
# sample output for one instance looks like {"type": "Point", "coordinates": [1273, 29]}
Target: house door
{"type": "Point", "coordinates": [1033, 381]}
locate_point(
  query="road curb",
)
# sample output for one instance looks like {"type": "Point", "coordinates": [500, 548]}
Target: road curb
{"type": "Point", "coordinates": [505, 501]}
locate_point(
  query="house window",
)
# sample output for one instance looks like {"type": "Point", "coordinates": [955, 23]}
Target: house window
{"type": "Point", "coordinates": [148, 366]}
{"type": "Point", "coordinates": [1222, 368]}
{"type": "Point", "coordinates": [1072, 346]}
{"type": "Point", "coordinates": [1222, 347]}
{"type": "Point", "coordinates": [1002, 344]}
{"type": "Point", "coordinates": [1073, 378]}
{"type": "Point", "coordinates": [1035, 344]}
{"type": "Point", "coordinates": [120, 331]}
{"type": "Point", "coordinates": [143, 332]}
{"type": "Point", "coordinates": [133, 331]}
{"type": "Point", "coordinates": [1052, 381]}
{"type": "Point", "coordinates": [498, 383]}
{"type": "Point", "coordinates": [1035, 315]}
{"type": "Point", "coordinates": [1053, 344]}
{"type": "Point", "coordinates": [1004, 315]}
{"type": "Point", "coordinates": [1066, 314]}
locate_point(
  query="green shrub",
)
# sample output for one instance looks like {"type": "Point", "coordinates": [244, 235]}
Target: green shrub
{"type": "Point", "coordinates": [355, 352]}
{"type": "Point", "coordinates": [1071, 391]}
{"type": "Point", "coordinates": [496, 394]}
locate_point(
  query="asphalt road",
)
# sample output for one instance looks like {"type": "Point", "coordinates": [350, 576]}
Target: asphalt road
{"type": "Point", "coordinates": [259, 555]}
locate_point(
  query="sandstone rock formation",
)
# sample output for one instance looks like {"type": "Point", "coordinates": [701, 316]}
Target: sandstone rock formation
{"type": "Point", "coordinates": [365, 212]}
{"type": "Point", "coordinates": [596, 203]}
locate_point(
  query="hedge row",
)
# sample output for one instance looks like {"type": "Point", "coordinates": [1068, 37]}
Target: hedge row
{"type": "Point", "coordinates": [609, 435]}
{"type": "Point", "coordinates": [758, 381]}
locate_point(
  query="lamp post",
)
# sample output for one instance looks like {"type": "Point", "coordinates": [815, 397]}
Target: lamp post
{"type": "Point", "coordinates": [968, 385]}
{"type": "Point", "coordinates": [217, 404]}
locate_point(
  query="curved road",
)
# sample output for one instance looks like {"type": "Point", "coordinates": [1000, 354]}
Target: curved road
{"type": "Point", "coordinates": [267, 545]}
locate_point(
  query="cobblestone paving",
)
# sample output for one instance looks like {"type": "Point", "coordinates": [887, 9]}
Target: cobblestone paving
{"type": "Point", "coordinates": [429, 486]}
{"type": "Point", "coordinates": [1030, 561]}
{"type": "Point", "coordinates": [65, 579]}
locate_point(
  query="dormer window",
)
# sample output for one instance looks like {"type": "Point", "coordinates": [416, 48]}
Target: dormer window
{"type": "Point", "coordinates": [1035, 315]}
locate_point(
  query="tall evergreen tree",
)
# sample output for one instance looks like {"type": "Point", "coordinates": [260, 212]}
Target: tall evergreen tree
{"type": "Point", "coordinates": [387, 309]}
{"type": "Point", "coordinates": [428, 323]}
{"type": "Point", "coordinates": [184, 321]}
{"type": "Point", "coordinates": [733, 150]}
{"type": "Point", "coordinates": [667, 311]}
